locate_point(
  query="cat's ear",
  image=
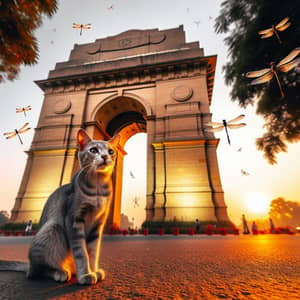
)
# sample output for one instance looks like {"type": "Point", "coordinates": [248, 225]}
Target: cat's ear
{"type": "Point", "coordinates": [82, 139]}
{"type": "Point", "coordinates": [115, 140]}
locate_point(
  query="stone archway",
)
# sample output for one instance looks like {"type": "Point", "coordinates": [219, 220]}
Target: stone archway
{"type": "Point", "coordinates": [138, 81]}
{"type": "Point", "coordinates": [126, 117]}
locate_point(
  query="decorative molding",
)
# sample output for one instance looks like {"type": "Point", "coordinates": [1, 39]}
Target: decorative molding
{"type": "Point", "coordinates": [138, 75]}
{"type": "Point", "coordinates": [182, 93]}
{"type": "Point", "coordinates": [62, 106]}
{"type": "Point", "coordinates": [145, 74]}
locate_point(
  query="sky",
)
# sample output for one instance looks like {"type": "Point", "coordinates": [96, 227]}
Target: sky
{"type": "Point", "coordinates": [248, 195]}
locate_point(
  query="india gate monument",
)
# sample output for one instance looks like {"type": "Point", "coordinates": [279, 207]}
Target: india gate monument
{"type": "Point", "coordinates": [149, 81]}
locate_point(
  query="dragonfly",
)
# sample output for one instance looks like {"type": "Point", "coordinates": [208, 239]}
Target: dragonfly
{"type": "Point", "coordinates": [23, 109]}
{"type": "Point", "coordinates": [225, 125]}
{"type": "Point", "coordinates": [131, 175]}
{"type": "Point", "coordinates": [17, 132]}
{"type": "Point", "coordinates": [267, 74]}
{"type": "Point", "coordinates": [81, 26]}
{"type": "Point", "coordinates": [136, 202]}
{"type": "Point", "coordinates": [197, 23]}
{"type": "Point", "coordinates": [281, 26]}
{"type": "Point", "coordinates": [244, 173]}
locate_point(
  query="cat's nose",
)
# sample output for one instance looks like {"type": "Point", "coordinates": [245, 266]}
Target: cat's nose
{"type": "Point", "coordinates": [104, 157]}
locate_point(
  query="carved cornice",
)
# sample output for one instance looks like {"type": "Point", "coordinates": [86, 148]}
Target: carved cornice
{"type": "Point", "coordinates": [204, 66]}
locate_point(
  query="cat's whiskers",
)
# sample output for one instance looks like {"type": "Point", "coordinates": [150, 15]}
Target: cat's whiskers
{"type": "Point", "coordinates": [74, 216]}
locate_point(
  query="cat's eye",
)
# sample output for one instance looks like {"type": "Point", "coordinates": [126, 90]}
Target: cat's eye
{"type": "Point", "coordinates": [94, 150]}
{"type": "Point", "coordinates": [111, 152]}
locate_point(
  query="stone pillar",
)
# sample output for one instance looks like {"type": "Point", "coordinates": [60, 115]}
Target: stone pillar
{"type": "Point", "coordinates": [45, 171]}
{"type": "Point", "coordinates": [182, 180]}
{"type": "Point", "coordinates": [215, 180]}
{"type": "Point", "coordinates": [115, 210]}
{"type": "Point", "coordinates": [160, 182]}
{"type": "Point", "coordinates": [150, 170]}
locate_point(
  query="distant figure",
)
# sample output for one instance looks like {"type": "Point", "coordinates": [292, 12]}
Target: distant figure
{"type": "Point", "coordinates": [28, 228]}
{"type": "Point", "coordinates": [197, 226]}
{"type": "Point", "coordinates": [272, 227]}
{"type": "Point", "coordinates": [245, 225]}
{"type": "Point", "coordinates": [254, 228]}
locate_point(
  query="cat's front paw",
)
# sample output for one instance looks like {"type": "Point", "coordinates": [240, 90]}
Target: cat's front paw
{"type": "Point", "coordinates": [61, 276]}
{"type": "Point", "coordinates": [100, 274]}
{"type": "Point", "coordinates": [88, 279]}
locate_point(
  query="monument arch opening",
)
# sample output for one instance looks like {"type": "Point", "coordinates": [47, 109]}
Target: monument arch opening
{"type": "Point", "coordinates": [160, 85]}
{"type": "Point", "coordinates": [134, 186]}
{"type": "Point", "coordinates": [126, 117]}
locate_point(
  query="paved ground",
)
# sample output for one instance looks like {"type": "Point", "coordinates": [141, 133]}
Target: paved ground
{"type": "Point", "coordinates": [168, 267]}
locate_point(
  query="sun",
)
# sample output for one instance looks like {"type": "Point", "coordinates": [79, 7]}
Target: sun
{"type": "Point", "coordinates": [258, 202]}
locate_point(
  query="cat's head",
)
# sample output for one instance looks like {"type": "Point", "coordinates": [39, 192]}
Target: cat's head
{"type": "Point", "coordinates": [97, 155]}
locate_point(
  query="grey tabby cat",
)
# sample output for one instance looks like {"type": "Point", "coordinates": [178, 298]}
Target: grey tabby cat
{"type": "Point", "coordinates": [73, 218]}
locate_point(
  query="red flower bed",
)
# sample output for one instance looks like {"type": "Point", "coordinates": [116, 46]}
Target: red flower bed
{"type": "Point", "coordinates": [176, 231]}
{"type": "Point", "coordinates": [145, 231]}
{"type": "Point", "coordinates": [114, 229]}
{"type": "Point", "coordinates": [210, 229]}
{"type": "Point", "coordinates": [133, 231]}
{"type": "Point", "coordinates": [191, 231]}
{"type": "Point", "coordinates": [161, 231]}
{"type": "Point", "coordinates": [235, 231]}
{"type": "Point", "coordinates": [124, 232]}
{"type": "Point", "coordinates": [289, 230]}
{"type": "Point", "coordinates": [18, 233]}
{"type": "Point", "coordinates": [223, 231]}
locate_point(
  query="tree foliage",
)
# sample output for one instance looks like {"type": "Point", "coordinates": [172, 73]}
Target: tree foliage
{"type": "Point", "coordinates": [285, 212]}
{"type": "Point", "coordinates": [18, 45]}
{"type": "Point", "coordinates": [241, 20]}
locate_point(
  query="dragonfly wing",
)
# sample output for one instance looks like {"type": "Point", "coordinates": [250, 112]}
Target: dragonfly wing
{"type": "Point", "coordinates": [291, 56]}
{"type": "Point", "coordinates": [240, 117]}
{"type": "Point", "coordinates": [213, 124]}
{"type": "Point", "coordinates": [28, 107]}
{"type": "Point", "coordinates": [216, 129]}
{"type": "Point", "coordinates": [10, 137]}
{"type": "Point", "coordinates": [262, 79]}
{"type": "Point", "coordinates": [24, 130]}
{"type": "Point", "coordinates": [289, 66]}
{"type": "Point", "coordinates": [24, 126]}
{"type": "Point", "coordinates": [266, 31]}
{"type": "Point", "coordinates": [236, 126]}
{"type": "Point", "coordinates": [284, 27]}
{"type": "Point", "coordinates": [257, 73]}
{"type": "Point", "coordinates": [282, 22]}
{"type": "Point", "coordinates": [18, 110]}
{"type": "Point", "coordinates": [12, 133]}
{"type": "Point", "coordinates": [267, 35]}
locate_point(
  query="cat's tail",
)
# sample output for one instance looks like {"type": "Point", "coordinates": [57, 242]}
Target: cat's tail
{"type": "Point", "coordinates": [18, 266]}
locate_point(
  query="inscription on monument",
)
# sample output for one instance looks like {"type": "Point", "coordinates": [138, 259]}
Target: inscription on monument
{"type": "Point", "coordinates": [125, 43]}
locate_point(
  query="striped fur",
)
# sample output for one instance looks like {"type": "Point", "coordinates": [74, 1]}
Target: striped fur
{"type": "Point", "coordinates": [74, 216]}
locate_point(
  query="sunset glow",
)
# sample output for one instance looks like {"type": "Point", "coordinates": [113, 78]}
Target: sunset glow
{"type": "Point", "coordinates": [257, 202]}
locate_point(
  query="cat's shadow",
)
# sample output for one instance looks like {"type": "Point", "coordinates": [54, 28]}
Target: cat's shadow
{"type": "Point", "coordinates": [15, 286]}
